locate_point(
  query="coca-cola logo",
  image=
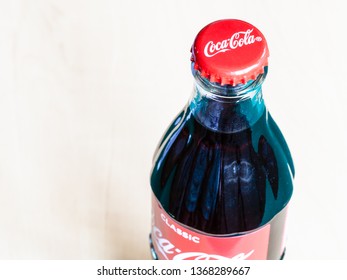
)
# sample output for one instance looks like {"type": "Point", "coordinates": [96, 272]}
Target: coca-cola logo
{"type": "Point", "coordinates": [237, 40]}
{"type": "Point", "coordinates": [204, 256]}
{"type": "Point", "coordinates": [166, 248]}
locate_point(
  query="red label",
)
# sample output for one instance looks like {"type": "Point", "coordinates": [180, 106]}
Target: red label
{"type": "Point", "coordinates": [174, 241]}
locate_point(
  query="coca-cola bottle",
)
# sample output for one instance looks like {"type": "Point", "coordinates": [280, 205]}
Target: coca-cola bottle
{"type": "Point", "coordinates": [222, 174]}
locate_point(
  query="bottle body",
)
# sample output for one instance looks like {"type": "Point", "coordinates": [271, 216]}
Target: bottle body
{"type": "Point", "coordinates": [222, 175]}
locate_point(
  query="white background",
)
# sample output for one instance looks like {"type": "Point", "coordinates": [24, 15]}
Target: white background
{"type": "Point", "coordinates": [88, 87]}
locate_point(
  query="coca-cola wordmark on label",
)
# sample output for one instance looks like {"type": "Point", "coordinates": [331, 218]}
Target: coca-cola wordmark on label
{"type": "Point", "coordinates": [238, 39]}
{"type": "Point", "coordinates": [174, 241]}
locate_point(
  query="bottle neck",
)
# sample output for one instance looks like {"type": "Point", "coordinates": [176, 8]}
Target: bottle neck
{"type": "Point", "coordinates": [227, 108]}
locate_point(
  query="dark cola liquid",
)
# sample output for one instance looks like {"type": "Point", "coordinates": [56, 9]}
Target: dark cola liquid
{"type": "Point", "coordinates": [224, 183]}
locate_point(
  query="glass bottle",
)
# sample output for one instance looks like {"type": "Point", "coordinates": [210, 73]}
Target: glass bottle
{"type": "Point", "coordinates": [222, 174]}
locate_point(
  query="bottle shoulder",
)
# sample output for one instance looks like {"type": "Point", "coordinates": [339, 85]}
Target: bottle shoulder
{"type": "Point", "coordinates": [203, 175]}
{"type": "Point", "coordinates": [275, 130]}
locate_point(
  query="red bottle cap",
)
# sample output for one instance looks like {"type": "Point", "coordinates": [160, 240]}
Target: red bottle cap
{"type": "Point", "coordinates": [230, 52]}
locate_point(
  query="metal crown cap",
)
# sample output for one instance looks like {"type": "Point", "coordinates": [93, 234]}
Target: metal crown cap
{"type": "Point", "coordinates": [230, 52]}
